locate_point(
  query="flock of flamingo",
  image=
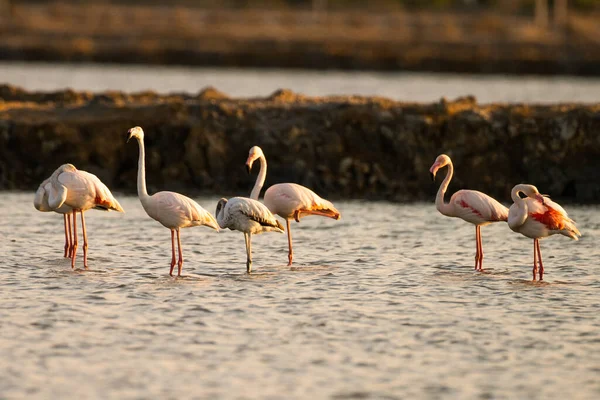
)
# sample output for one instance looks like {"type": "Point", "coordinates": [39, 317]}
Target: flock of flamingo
{"type": "Point", "coordinates": [69, 191]}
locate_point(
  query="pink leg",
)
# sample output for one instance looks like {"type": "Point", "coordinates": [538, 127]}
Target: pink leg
{"type": "Point", "coordinates": [172, 251]}
{"type": "Point", "coordinates": [540, 259]}
{"type": "Point", "coordinates": [85, 242]}
{"type": "Point", "coordinates": [534, 259]}
{"type": "Point", "coordinates": [66, 236]}
{"type": "Point", "coordinates": [291, 251]}
{"type": "Point", "coordinates": [480, 249]}
{"type": "Point", "coordinates": [477, 247]}
{"type": "Point", "coordinates": [74, 239]}
{"type": "Point", "coordinates": [180, 263]}
{"type": "Point", "coordinates": [70, 251]}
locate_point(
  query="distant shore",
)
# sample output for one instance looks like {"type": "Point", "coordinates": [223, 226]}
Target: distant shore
{"type": "Point", "coordinates": [483, 42]}
{"type": "Point", "coordinates": [343, 147]}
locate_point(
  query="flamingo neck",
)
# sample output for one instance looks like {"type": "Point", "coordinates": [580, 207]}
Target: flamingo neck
{"type": "Point", "coordinates": [442, 207]}
{"type": "Point", "coordinates": [141, 178]}
{"type": "Point", "coordinates": [518, 217]}
{"type": "Point", "coordinates": [260, 179]}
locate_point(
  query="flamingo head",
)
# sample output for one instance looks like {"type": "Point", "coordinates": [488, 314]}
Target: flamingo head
{"type": "Point", "coordinates": [220, 207]}
{"type": "Point", "coordinates": [254, 154]}
{"type": "Point", "coordinates": [135, 132]}
{"type": "Point", "coordinates": [530, 191]}
{"type": "Point", "coordinates": [441, 161]}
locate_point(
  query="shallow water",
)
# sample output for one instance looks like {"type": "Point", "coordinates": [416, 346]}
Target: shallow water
{"type": "Point", "coordinates": [381, 304]}
{"type": "Point", "coordinates": [420, 87]}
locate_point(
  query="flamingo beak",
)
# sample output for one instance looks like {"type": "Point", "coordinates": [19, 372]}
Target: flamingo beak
{"type": "Point", "coordinates": [128, 137]}
{"type": "Point", "coordinates": [248, 168]}
{"type": "Point", "coordinates": [540, 198]}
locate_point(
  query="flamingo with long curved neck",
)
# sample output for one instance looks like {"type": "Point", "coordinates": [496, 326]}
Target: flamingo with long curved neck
{"type": "Point", "coordinates": [472, 206]}
{"type": "Point", "coordinates": [288, 200]}
{"type": "Point", "coordinates": [172, 210]}
{"type": "Point", "coordinates": [536, 216]}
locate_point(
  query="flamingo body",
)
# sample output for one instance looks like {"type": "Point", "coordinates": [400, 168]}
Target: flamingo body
{"type": "Point", "coordinates": [289, 200]}
{"type": "Point", "coordinates": [537, 217]}
{"type": "Point", "coordinates": [472, 206]}
{"type": "Point", "coordinates": [248, 216]}
{"type": "Point", "coordinates": [172, 210]}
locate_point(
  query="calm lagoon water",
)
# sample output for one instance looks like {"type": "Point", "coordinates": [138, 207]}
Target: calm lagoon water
{"type": "Point", "coordinates": [381, 304]}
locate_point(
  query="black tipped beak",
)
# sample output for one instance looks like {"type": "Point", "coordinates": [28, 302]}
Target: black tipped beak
{"type": "Point", "coordinates": [248, 168]}
{"type": "Point", "coordinates": [432, 176]}
{"type": "Point", "coordinates": [128, 138]}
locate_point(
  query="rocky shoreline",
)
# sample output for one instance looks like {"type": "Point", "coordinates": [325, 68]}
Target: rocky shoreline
{"type": "Point", "coordinates": [342, 147]}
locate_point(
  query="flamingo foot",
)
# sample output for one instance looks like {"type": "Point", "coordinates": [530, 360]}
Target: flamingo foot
{"type": "Point", "coordinates": [172, 266]}
{"type": "Point", "coordinates": [249, 266]}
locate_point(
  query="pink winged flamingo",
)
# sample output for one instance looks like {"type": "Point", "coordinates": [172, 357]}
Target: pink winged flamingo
{"type": "Point", "coordinates": [288, 200]}
{"type": "Point", "coordinates": [71, 190]}
{"type": "Point", "coordinates": [536, 216]}
{"type": "Point", "coordinates": [472, 206]}
{"type": "Point", "coordinates": [172, 210]}
{"type": "Point", "coordinates": [249, 216]}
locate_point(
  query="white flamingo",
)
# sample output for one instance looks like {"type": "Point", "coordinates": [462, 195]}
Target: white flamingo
{"type": "Point", "coordinates": [288, 200]}
{"type": "Point", "coordinates": [249, 216]}
{"type": "Point", "coordinates": [472, 206]}
{"type": "Point", "coordinates": [536, 216]}
{"type": "Point", "coordinates": [71, 190]}
{"type": "Point", "coordinates": [172, 210]}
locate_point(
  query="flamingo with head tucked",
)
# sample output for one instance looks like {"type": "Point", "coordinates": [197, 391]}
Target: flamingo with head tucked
{"type": "Point", "coordinates": [536, 216]}
{"type": "Point", "coordinates": [71, 190]}
{"type": "Point", "coordinates": [472, 206]}
{"type": "Point", "coordinates": [249, 216]}
{"type": "Point", "coordinates": [288, 200]}
{"type": "Point", "coordinates": [172, 210]}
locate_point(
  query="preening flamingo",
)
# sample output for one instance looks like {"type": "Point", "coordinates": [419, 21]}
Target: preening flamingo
{"type": "Point", "coordinates": [288, 200]}
{"type": "Point", "coordinates": [69, 189]}
{"type": "Point", "coordinates": [536, 216]}
{"type": "Point", "coordinates": [248, 216]}
{"type": "Point", "coordinates": [472, 206]}
{"type": "Point", "coordinates": [172, 210]}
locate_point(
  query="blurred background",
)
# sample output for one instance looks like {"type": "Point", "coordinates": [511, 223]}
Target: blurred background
{"type": "Point", "coordinates": [476, 36]}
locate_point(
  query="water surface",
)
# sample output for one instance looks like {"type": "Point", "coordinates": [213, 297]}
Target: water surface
{"type": "Point", "coordinates": [420, 87]}
{"type": "Point", "coordinates": [381, 304]}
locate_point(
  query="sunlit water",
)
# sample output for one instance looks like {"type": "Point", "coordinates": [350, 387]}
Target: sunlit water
{"type": "Point", "coordinates": [421, 87]}
{"type": "Point", "coordinates": [381, 304]}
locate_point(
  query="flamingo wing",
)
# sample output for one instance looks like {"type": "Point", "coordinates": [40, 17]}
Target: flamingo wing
{"type": "Point", "coordinates": [287, 198]}
{"type": "Point", "coordinates": [477, 207]}
{"type": "Point", "coordinates": [103, 198]}
{"type": "Point", "coordinates": [253, 210]}
{"type": "Point", "coordinates": [552, 216]}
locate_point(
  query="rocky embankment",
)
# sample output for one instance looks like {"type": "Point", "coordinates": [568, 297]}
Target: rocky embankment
{"type": "Point", "coordinates": [342, 147]}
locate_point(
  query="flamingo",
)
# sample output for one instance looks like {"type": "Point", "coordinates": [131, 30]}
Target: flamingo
{"type": "Point", "coordinates": [472, 206]}
{"type": "Point", "coordinates": [172, 210]}
{"type": "Point", "coordinates": [248, 216]}
{"type": "Point", "coordinates": [71, 190]}
{"type": "Point", "coordinates": [536, 216]}
{"type": "Point", "coordinates": [288, 200]}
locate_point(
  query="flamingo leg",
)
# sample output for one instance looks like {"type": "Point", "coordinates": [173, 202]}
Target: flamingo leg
{"type": "Point", "coordinates": [480, 249]}
{"type": "Point", "coordinates": [534, 258]}
{"type": "Point", "coordinates": [248, 238]}
{"type": "Point", "coordinates": [74, 239]}
{"type": "Point", "coordinates": [289, 233]}
{"type": "Point", "coordinates": [539, 252]}
{"type": "Point", "coordinates": [85, 241]}
{"type": "Point", "coordinates": [70, 233]}
{"type": "Point", "coordinates": [172, 251]}
{"type": "Point", "coordinates": [66, 236]}
{"type": "Point", "coordinates": [180, 262]}
{"type": "Point", "coordinates": [476, 247]}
